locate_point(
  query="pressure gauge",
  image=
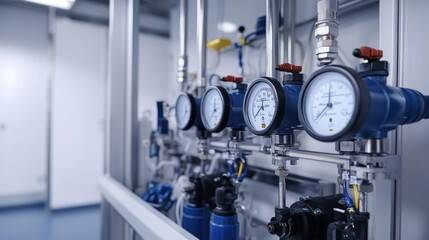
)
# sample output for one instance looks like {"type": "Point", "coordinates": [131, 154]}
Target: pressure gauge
{"type": "Point", "coordinates": [186, 111]}
{"type": "Point", "coordinates": [264, 106]}
{"type": "Point", "coordinates": [333, 103]}
{"type": "Point", "coordinates": [215, 108]}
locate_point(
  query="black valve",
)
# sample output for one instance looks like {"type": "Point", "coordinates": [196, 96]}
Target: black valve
{"type": "Point", "coordinates": [225, 198]}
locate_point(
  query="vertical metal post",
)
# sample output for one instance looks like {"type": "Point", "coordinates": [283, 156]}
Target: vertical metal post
{"type": "Point", "coordinates": [389, 40]}
{"type": "Point", "coordinates": [122, 99]}
{"type": "Point", "coordinates": [131, 101]}
{"type": "Point", "coordinates": [182, 71]}
{"type": "Point", "coordinates": [272, 36]}
{"type": "Point", "coordinates": [291, 6]}
{"type": "Point", "coordinates": [201, 42]}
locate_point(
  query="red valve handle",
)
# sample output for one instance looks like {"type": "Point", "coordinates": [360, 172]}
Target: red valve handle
{"type": "Point", "coordinates": [368, 53]}
{"type": "Point", "coordinates": [287, 67]}
{"type": "Point", "coordinates": [233, 79]}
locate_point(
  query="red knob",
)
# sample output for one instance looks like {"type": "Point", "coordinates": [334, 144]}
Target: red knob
{"type": "Point", "coordinates": [233, 79]}
{"type": "Point", "coordinates": [287, 67]}
{"type": "Point", "coordinates": [368, 53]}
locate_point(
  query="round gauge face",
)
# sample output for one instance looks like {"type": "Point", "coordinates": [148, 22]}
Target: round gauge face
{"type": "Point", "coordinates": [213, 109]}
{"type": "Point", "coordinates": [183, 111]}
{"type": "Point", "coordinates": [261, 106]}
{"type": "Point", "coordinates": [329, 103]}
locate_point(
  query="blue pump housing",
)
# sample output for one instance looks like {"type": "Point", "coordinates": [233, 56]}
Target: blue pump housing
{"type": "Point", "coordinates": [389, 107]}
{"type": "Point", "coordinates": [196, 220]}
{"type": "Point", "coordinates": [224, 227]}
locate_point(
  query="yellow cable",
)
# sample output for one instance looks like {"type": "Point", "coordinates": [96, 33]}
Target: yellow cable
{"type": "Point", "coordinates": [356, 195]}
{"type": "Point", "coordinates": [240, 169]}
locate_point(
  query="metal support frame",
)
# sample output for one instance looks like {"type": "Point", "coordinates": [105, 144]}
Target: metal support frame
{"type": "Point", "coordinates": [143, 218]}
{"type": "Point", "coordinates": [364, 166]}
{"type": "Point", "coordinates": [121, 145]}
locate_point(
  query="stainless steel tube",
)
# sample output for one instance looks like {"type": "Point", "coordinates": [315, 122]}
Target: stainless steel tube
{"type": "Point", "coordinates": [322, 157]}
{"type": "Point", "coordinates": [182, 70]}
{"type": "Point", "coordinates": [272, 36]}
{"type": "Point", "coordinates": [363, 201]}
{"type": "Point", "coordinates": [291, 5]}
{"type": "Point", "coordinates": [201, 43]}
{"type": "Point", "coordinates": [282, 192]}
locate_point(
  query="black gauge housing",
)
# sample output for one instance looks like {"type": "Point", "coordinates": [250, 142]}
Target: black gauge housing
{"type": "Point", "coordinates": [279, 97]}
{"type": "Point", "coordinates": [226, 103]}
{"type": "Point", "coordinates": [361, 104]}
{"type": "Point", "coordinates": [193, 110]}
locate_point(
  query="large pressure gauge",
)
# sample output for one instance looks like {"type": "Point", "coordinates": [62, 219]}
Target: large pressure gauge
{"type": "Point", "coordinates": [220, 109]}
{"type": "Point", "coordinates": [270, 107]}
{"type": "Point", "coordinates": [333, 103]}
{"type": "Point", "coordinates": [186, 111]}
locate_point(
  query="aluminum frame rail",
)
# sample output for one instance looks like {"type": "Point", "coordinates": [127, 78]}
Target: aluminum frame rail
{"type": "Point", "coordinates": [145, 220]}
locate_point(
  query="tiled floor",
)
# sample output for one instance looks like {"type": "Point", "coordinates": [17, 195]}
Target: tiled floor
{"type": "Point", "coordinates": [36, 223]}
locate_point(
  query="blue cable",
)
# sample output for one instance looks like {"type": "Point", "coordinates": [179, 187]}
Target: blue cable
{"type": "Point", "coordinates": [347, 199]}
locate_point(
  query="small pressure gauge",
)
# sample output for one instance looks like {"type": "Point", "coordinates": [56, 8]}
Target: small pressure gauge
{"type": "Point", "coordinates": [264, 106]}
{"type": "Point", "coordinates": [215, 109]}
{"type": "Point", "coordinates": [333, 103]}
{"type": "Point", "coordinates": [186, 111]}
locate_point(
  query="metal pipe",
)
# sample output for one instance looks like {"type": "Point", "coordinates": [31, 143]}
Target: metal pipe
{"type": "Point", "coordinates": [282, 192]}
{"type": "Point", "coordinates": [291, 10]}
{"type": "Point", "coordinates": [287, 152]}
{"type": "Point", "coordinates": [218, 144]}
{"type": "Point", "coordinates": [272, 36]}
{"type": "Point", "coordinates": [182, 70]}
{"type": "Point", "coordinates": [285, 38]}
{"type": "Point", "coordinates": [201, 43]}
{"type": "Point", "coordinates": [321, 157]}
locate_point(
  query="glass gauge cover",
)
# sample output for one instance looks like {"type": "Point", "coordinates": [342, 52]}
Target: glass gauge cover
{"type": "Point", "coordinates": [333, 103]}
{"type": "Point", "coordinates": [264, 106]}
{"type": "Point", "coordinates": [186, 111]}
{"type": "Point", "coordinates": [215, 109]}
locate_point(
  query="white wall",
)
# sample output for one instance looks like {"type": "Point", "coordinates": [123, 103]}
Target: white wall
{"type": "Point", "coordinates": [153, 73]}
{"type": "Point", "coordinates": [80, 54]}
{"type": "Point", "coordinates": [23, 104]}
{"type": "Point", "coordinates": [78, 115]}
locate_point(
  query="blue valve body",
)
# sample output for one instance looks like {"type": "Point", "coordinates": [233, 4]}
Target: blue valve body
{"type": "Point", "coordinates": [196, 220]}
{"type": "Point", "coordinates": [290, 118]}
{"type": "Point", "coordinates": [224, 227]}
{"type": "Point", "coordinates": [236, 119]}
{"type": "Point", "coordinates": [389, 107]}
{"type": "Point", "coordinates": [162, 121]}
{"type": "Point", "coordinates": [198, 122]}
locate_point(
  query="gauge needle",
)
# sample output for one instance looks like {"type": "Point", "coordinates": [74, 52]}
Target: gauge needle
{"type": "Point", "coordinates": [214, 109]}
{"type": "Point", "coordinates": [328, 105]}
{"type": "Point", "coordinates": [322, 112]}
{"type": "Point", "coordinates": [261, 108]}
